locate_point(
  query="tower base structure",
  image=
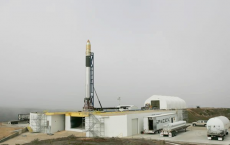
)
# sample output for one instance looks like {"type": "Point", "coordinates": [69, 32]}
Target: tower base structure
{"type": "Point", "coordinates": [88, 106]}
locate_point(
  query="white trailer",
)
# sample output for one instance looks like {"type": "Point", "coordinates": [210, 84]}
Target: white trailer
{"type": "Point", "coordinates": [154, 124]}
{"type": "Point", "coordinates": [217, 127]}
{"type": "Point", "coordinates": [171, 129]}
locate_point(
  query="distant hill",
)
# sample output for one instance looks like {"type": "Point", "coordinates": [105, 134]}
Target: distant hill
{"type": "Point", "coordinates": [195, 114]}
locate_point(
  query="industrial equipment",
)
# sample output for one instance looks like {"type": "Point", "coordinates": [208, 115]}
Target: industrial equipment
{"type": "Point", "coordinates": [127, 107]}
{"type": "Point", "coordinates": [24, 117]}
{"type": "Point", "coordinates": [217, 127]}
{"type": "Point", "coordinates": [171, 129]}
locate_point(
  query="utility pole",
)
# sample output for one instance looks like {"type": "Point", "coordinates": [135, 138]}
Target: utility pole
{"type": "Point", "coordinates": [119, 99]}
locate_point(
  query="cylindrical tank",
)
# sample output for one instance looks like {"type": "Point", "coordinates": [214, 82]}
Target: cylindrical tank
{"type": "Point", "coordinates": [174, 125]}
{"type": "Point", "coordinates": [217, 125]}
{"type": "Point", "coordinates": [35, 122]}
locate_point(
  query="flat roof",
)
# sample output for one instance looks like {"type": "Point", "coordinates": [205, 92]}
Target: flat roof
{"type": "Point", "coordinates": [130, 112]}
{"type": "Point", "coordinates": [85, 114]}
{"type": "Point", "coordinates": [157, 115]}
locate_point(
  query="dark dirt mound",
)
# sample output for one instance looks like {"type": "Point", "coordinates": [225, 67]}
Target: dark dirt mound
{"type": "Point", "coordinates": [72, 140]}
{"type": "Point", "coordinates": [195, 114]}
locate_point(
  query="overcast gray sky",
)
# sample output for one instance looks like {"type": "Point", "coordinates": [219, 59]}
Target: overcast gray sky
{"type": "Point", "coordinates": [142, 48]}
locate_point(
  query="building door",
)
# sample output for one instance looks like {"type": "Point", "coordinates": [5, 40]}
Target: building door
{"type": "Point", "coordinates": [150, 123]}
{"type": "Point", "coordinates": [134, 126]}
{"type": "Point", "coordinates": [155, 104]}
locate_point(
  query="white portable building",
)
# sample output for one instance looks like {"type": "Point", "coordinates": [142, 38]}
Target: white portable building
{"type": "Point", "coordinates": [121, 124]}
{"type": "Point", "coordinates": [155, 123]}
{"type": "Point", "coordinates": [165, 102]}
{"type": "Point", "coordinates": [41, 122]}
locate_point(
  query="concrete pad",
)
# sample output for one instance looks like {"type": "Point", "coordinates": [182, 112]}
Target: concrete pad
{"type": "Point", "coordinates": [192, 135]}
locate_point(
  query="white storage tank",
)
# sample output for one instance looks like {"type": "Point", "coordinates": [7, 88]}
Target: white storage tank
{"type": "Point", "coordinates": [38, 122]}
{"type": "Point", "coordinates": [174, 125]}
{"type": "Point", "coordinates": [165, 102]}
{"type": "Point", "coordinates": [172, 129]}
{"type": "Point", "coordinates": [35, 122]}
{"type": "Point", "coordinates": [217, 127]}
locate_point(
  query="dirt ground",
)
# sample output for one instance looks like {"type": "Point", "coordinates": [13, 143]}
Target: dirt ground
{"type": "Point", "coordinates": [78, 138]}
{"type": "Point", "coordinates": [28, 137]}
{"type": "Point", "coordinates": [73, 140]}
{"type": "Point", "coordinates": [6, 130]}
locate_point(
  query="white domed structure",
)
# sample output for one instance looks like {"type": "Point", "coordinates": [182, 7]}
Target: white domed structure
{"type": "Point", "coordinates": [165, 102]}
